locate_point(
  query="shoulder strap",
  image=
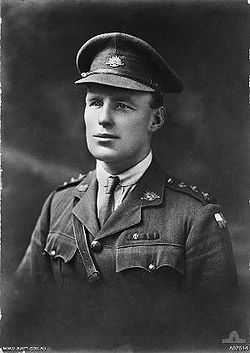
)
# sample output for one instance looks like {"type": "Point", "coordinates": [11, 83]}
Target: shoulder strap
{"type": "Point", "coordinates": [72, 182]}
{"type": "Point", "coordinates": [191, 190]}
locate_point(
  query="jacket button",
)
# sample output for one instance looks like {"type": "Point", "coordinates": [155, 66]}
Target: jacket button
{"type": "Point", "coordinates": [151, 267]}
{"type": "Point", "coordinates": [96, 246]}
{"type": "Point", "coordinates": [53, 252]}
{"type": "Point", "coordinates": [194, 188]}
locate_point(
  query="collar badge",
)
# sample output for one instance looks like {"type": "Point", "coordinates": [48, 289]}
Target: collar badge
{"type": "Point", "coordinates": [150, 196]}
{"type": "Point", "coordinates": [115, 61]}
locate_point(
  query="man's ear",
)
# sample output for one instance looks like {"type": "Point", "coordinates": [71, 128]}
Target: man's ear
{"type": "Point", "coordinates": [159, 117]}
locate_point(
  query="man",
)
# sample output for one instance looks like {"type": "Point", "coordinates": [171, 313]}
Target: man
{"type": "Point", "coordinates": [127, 255]}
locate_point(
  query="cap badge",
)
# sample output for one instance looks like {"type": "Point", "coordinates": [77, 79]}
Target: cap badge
{"type": "Point", "coordinates": [115, 61]}
{"type": "Point", "coordinates": [150, 196]}
{"type": "Point", "coordinates": [220, 219]}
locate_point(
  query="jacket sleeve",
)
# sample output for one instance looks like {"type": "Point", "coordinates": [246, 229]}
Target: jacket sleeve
{"type": "Point", "coordinates": [211, 278]}
{"type": "Point", "coordinates": [26, 295]}
{"type": "Point", "coordinates": [209, 257]}
{"type": "Point", "coordinates": [34, 267]}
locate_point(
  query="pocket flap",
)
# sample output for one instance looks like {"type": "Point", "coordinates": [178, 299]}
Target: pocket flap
{"type": "Point", "coordinates": [60, 246]}
{"type": "Point", "coordinates": [150, 257]}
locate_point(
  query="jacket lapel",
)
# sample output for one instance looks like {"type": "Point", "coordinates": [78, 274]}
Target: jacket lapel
{"type": "Point", "coordinates": [148, 192]}
{"type": "Point", "coordinates": [85, 209]}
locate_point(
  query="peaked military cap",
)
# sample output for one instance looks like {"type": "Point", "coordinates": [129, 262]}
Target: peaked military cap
{"type": "Point", "coordinates": [125, 61]}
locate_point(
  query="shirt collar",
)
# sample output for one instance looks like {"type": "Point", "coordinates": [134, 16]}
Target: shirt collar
{"type": "Point", "coordinates": [129, 176]}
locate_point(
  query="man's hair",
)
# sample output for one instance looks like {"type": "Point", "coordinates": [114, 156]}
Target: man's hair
{"type": "Point", "coordinates": [157, 100]}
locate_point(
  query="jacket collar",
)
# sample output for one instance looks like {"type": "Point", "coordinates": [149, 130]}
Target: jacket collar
{"type": "Point", "coordinates": [85, 209]}
{"type": "Point", "coordinates": [149, 191]}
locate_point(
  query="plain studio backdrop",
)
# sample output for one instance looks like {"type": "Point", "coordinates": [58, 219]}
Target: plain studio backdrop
{"type": "Point", "coordinates": [206, 139]}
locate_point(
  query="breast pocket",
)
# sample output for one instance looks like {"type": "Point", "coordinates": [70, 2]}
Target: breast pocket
{"type": "Point", "coordinates": [151, 276]}
{"type": "Point", "coordinates": [61, 250]}
{"type": "Point", "coordinates": [150, 257]}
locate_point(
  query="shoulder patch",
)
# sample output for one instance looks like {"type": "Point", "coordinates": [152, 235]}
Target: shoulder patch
{"type": "Point", "coordinates": [220, 219]}
{"type": "Point", "coordinates": [73, 181]}
{"type": "Point", "coordinates": [191, 190]}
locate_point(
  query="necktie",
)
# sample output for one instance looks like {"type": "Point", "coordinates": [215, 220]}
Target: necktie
{"type": "Point", "coordinates": [106, 208]}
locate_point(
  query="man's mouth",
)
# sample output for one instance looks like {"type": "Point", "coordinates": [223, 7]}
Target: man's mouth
{"type": "Point", "coordinates": [106, 136]}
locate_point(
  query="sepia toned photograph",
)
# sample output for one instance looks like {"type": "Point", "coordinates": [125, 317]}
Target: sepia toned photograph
{"type": "Point", "coordinates": [125, 210]}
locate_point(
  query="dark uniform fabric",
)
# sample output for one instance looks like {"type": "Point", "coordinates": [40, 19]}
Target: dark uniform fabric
{"type": "Point", "coordinates": [167, 276]}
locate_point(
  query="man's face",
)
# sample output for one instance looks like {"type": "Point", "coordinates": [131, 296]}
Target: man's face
{"type": "Point", "coordinates": [118, 125]}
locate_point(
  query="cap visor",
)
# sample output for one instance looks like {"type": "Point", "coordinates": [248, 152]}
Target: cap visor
{"type": "Point", "coordinates": [115, 81]}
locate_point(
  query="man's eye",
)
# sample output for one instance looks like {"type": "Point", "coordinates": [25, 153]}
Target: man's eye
{"type": "Point", "coordinates": [122, 106]}
{"type": "Point", "coordinates": [95, 103]}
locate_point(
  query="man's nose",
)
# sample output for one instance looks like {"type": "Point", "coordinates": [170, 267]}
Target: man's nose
{"type": "Point", "coordinates": [105, 116]}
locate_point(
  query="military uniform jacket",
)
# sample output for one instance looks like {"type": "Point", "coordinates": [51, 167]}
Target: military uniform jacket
{"type": "Point", "coordinates": [159, 271]}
